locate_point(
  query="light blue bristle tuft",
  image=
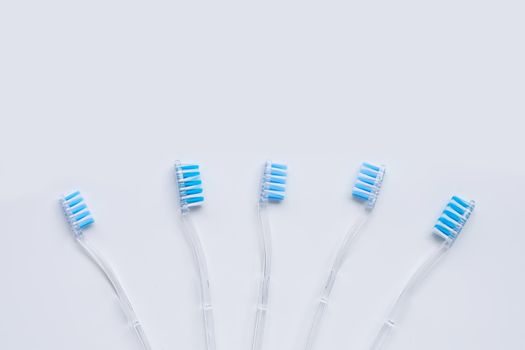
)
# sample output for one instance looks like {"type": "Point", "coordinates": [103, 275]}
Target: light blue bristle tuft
{"type": "Point", "coordinates": [189, 184]}
{"type": "Point", "coordinates": [273, 182]}
{"type": "Point", "coordinates": [453, 218]}
{"type": "Point", "coordinates": [368, 184]}
{"type": "Point", "coordinates": [76, 212]}
{"type": "Point", "coordinates": [71, 195]}
{"type": "Point", "coordinates": [360, 195]}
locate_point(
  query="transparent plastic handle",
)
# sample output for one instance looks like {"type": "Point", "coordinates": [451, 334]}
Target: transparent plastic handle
{"type": "Point", "coordinates": [200, 260]}
{"type": "Point", "coordinates": [264, 287]}
{"type": "Point", "coordinates": [122, 296]}
{"type": "Point", "coordinates": [383, 336]}
{"type": "Point", "coordinates": [386, 329]}
{"type": "Point", "coordinates": [329, 284]}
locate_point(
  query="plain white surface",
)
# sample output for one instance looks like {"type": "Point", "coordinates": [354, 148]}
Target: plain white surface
{"type": "Point", "coordinates": [103, 96]}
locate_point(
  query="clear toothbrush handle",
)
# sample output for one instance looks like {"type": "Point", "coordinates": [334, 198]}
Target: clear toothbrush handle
{"type": "Point", "coordinates": [260, 321]}
{"type": "Point", "coordinates": [200, 260]}
{"type": "Point", "coordinates": [122, 296]}
{"type": "Point", "coordinates": [382, 336]}
{"type": "Point", "coordinates": [329, 284]}
{"type": "Point", "coordinates": [386, 329]}
{"type": "Point", "coordinates": [264, 287]}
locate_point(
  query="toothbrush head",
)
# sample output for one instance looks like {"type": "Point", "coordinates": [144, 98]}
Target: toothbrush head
{"type": "Point", "coordinates": [368, 184]}
{"type": "Point", "coordinates": [453, 218]}
{"type": "Point", "coordinates": [77, 214]}
{"type": "Point", "coordinates": [190, 186]}
{"type": "Point", "coordinates": [273, 182]}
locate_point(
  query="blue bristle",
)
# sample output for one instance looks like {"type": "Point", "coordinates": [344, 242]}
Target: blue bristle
{"type": "Point", "coordinates": [453, 218]}
{"type": "Point", "coordinates": [72, 195]}
{"type": "Point", "coordinates": [368, 184]}
{"type": "Point", "coordinates": [189, 184]}
{"type": "Point", "coordinates": [194, 199]}
{"type": "Point", "coordinates": [78, 208]}
{"type": "Point", "coordinates": [278, 173]}
{"type": "Point", "coordinates": [364, 187]}
{"type": "Point", "coordinates": [447, 222]}
{"type": "Point", "coordinates": [82, 215]}
{"type": "Point", "coordinates": [192, 191]}
{"type": "Point", "coordinates": [85, 223]}
{"type": "Point", "coordinates": [191, 174]}
{"type": "Point", "coordinates": [277, 180]}
{"type": "Point", "coordinates": [275, 197]}
{"type": "Point", "coordinates": [366, 180]}
{"type": "Point", "coordinates": [444, 230]}
{"type": "Point", "coordinates": [75, 210]}
{"type": "Point", "coordinates": [280, 166]}
{"type": "Point", "coordinates": [189, 167]}
{"type": "Point", "coordinates": [461, 201]}
{"type": "Point", "coordinates": [457, 208]}
{"type": "Point", "coordinates": [276, 188]}
{"type": "Point", "coordinates": [74, 201]}
{"type": "Point", "coordinates": [273, 181]}
{"type": "Point", "coordinates": [371, 173]}
{"type": "Point", "coordinates": [373, 167]}
{"type": "Point", "coordinates": [360, 195]}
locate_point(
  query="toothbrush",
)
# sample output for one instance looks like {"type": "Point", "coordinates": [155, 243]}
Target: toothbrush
{"type": "Point", "coordinates": [190, 196]}
{"type": "Point", "coordinates": [366, 190]}
{"type": "Point", "coordinates": [272, 191]}
{"type": "Point", "coordinates": [449, 225]}
{"type": "Point", "coordinates": [79, 219]}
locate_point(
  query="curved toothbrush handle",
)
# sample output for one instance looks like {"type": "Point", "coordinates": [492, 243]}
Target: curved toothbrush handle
{"type": "Point", "coordinates": [122, 296]}
{"type": "Point", "coordinates": [329, 284]}
{"type": "Point", "coordinates": [383, 335]}
{"type": "Point", "coordinates": [200, 260]}
{"type": "Point", "coordinates": [264, 288]}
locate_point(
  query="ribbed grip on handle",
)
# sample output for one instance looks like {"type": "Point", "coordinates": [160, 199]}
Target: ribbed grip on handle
{"type": "Point", "coordinates": [122, 296]}
{"type": "Point", "coordinates": [400, 304]}
{"type": "Point", "coordinates": [330, 281]}
{"type": "Point", "coordinates": [383, 335]}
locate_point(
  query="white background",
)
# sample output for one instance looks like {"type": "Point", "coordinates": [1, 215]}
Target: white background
{"type": "Point", "coordinates": [103, 96]}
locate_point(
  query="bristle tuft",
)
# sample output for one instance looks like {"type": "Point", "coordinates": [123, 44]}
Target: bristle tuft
{"type": "Point", "coordinates": [368, 184]}
{"type": "Point", "coordinates": [453, 218]}
{"type": "Point", "coordinates": [190, 186]}
{"type": "Point", "coordinates": [273, 185]}
{"type": "Point", "coordinates": [76, 211]}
